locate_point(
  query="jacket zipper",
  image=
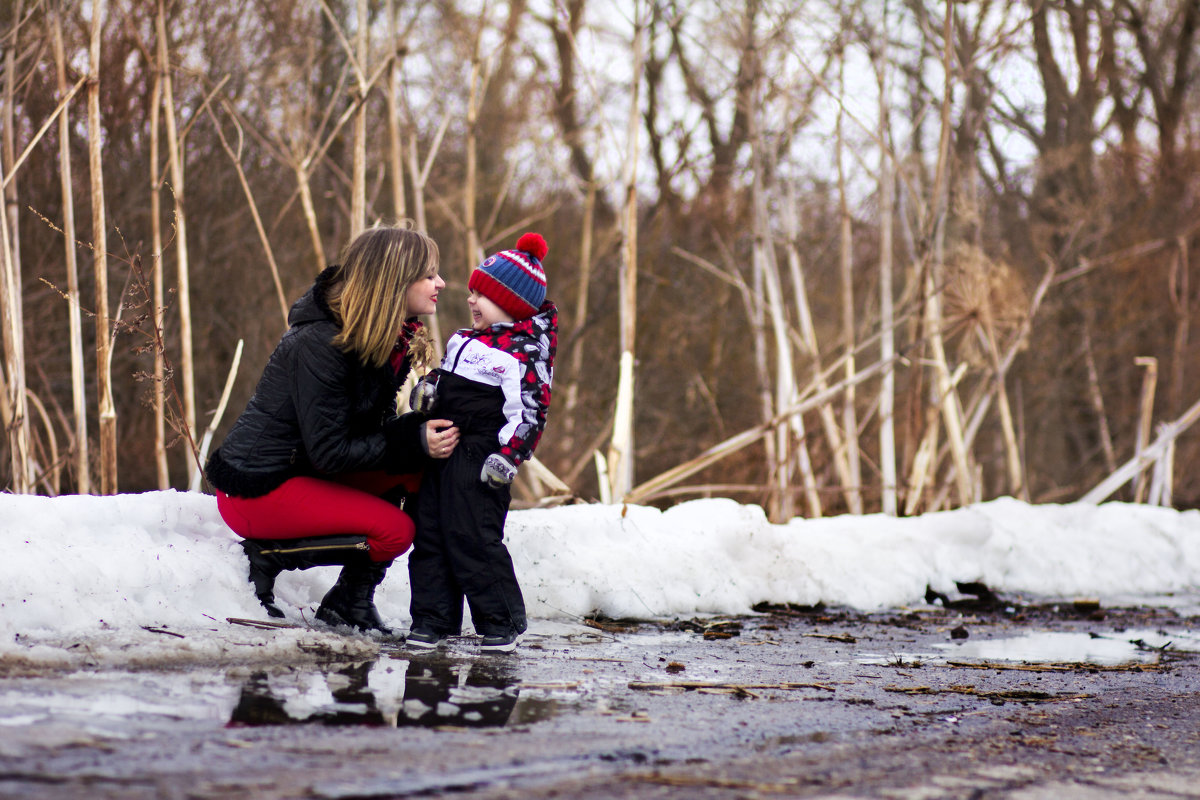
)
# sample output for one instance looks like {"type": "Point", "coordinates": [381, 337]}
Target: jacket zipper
{"type": "Point", "coordinates": [352, 546]}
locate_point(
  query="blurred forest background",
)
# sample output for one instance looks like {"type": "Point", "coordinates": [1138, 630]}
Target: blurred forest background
{"type": "Point", "coordinates": [828, 256]}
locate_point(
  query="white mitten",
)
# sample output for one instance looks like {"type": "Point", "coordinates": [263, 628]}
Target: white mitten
{"type": "Point", "coordinates": [497, 471]}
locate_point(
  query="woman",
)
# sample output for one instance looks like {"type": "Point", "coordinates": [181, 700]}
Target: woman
{"type": "Point", "coordinates": [317, 469]}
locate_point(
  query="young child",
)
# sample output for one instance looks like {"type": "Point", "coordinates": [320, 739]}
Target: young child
{"type": "Point", "coordinates": [494, 385]}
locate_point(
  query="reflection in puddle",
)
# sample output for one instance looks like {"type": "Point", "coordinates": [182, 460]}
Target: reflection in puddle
{"type": "Point", "coordinates": [390, 693]}
{"type": "Point", "coordinates": [1127, 647]}
{"type": "Point", "coordinates": [1066, 648]}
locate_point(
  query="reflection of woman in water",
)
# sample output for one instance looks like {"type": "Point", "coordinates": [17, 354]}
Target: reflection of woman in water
{"type": "Point", "coordinates": [354, 701]}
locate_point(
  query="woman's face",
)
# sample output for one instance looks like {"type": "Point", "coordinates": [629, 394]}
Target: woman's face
{"type": "Point", "coordinates": [422, 296]}
{"type": "Point", "coordinates": [485, 313]}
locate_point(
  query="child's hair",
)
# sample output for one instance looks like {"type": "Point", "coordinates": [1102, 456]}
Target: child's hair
{"type": "Point", "coordinates": [370, 293]}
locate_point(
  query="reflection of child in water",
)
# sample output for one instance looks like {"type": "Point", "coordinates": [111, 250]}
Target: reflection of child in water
{"type": "Point", "coordinates": [438, 694]}
{"type": "Point", "coordinates": [494, 385]}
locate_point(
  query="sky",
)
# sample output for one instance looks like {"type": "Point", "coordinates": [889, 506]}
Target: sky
{"type": "Point", "coordinates": [152, 579]}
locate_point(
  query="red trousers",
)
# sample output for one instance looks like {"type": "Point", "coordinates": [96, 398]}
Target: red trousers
{"type": "Point", "coordinates": [302, 507]}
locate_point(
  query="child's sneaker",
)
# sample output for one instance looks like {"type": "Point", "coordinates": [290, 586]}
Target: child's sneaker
{"type": "Point", "coordinates": [499, 643]}
{"type": "Point", "coordinates": [422, 639]}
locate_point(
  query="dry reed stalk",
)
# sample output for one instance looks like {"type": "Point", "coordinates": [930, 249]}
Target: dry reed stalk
{"type": "Point", "coordinates": [211, 430]}
{"type": "Point", "coordinates": [258, 224]}
{"type": "Point", "coordinates": [1096, 394]}
{"type": "Point", "coordinates": [934, 317]}
{"type": "Point", "coordinates": [712, 455]}
{"type": "Point", "coordinates": [853, 488]}
{"type": "Point", "coordinates": [1145, 420]}
{"type": "Point", "coordinates": [395, 141]}
{"type": "Point", "coordinates": [1160, 448]}
{"type": "Point", "coordinates": [358, 189]}
{"type": "Point", "coordinates": [175, 163]}
{"type": "Point", "coordinates": [51, 464]}
{"type": "Point", "coordinates": [16, 423]}
{"type": "Point", "coordinates": [808, 337]}
{"type": "Point", "coordinates": [74, 314]}
{"type": "Point", "coordinates": [621, 447]}
{"type": "Point", "coordinates": [574, 363]}
{"type": "Point", "coordinates": [107, 410]}
{"type": "Point", "coordinates": [161, 466]}
{"type": "Point", "coordinates": [1180, 294]}
{"type": "Point", "coordinates": [887, 197]}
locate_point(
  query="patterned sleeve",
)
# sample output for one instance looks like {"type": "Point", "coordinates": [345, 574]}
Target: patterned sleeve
{"type": "Point", "coordinates": [536, 358]}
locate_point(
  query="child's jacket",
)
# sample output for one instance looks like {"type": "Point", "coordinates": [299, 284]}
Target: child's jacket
{"type": "Point", "coordinates": [495, 384]}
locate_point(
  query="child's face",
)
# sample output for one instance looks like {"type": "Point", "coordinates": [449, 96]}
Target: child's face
{"type": "Point", "coordinates": [485, 313]}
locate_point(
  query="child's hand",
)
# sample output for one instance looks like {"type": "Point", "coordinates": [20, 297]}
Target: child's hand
{"type": "Point", "coordinates": [424, 395]}
{"type": "Point", "coordinates": [497, 471]}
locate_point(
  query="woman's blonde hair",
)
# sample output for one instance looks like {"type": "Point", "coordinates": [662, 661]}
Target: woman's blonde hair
{"type": "Point", "coordinates": [370, 293]}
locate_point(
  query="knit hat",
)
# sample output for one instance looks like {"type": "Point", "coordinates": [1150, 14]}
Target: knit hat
{"type": "Point", "coordinates": [513, 279]}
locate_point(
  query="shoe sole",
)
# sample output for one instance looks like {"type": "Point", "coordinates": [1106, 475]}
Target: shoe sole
{"type": "Point", "coordinates": [421, 645]}
{"type": "Point", "coordinates": [499, 648]}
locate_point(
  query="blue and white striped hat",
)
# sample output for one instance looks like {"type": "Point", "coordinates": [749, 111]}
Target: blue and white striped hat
{"type": "Point", "coordinates": [514, 279]}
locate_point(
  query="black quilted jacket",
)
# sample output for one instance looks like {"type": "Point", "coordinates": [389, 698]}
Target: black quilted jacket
{"type": "Point", "coordinates": [316, 411]}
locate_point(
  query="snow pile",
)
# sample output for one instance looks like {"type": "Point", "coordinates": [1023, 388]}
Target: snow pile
{"type": "Point", "coordinates": [85, 577]}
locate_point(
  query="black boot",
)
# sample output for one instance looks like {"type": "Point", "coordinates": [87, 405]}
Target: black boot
{"type": "Point", "coordinates": [269, 557]}
{"type": "Point", "coordinates": [351, 601]}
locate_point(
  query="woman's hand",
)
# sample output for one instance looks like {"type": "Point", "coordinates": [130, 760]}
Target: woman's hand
{"type": "Point", "coordinates": [441, 437]}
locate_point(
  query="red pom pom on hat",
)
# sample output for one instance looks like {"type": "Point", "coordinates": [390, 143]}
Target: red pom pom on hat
{"type": "Point", "coordinates": [534, 244]}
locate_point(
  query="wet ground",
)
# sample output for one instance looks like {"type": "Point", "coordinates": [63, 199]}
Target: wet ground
{"type": "Point", "coordinates": [973, 697]}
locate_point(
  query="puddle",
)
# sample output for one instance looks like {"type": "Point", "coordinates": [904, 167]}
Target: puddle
{"type": "Point", "coordinates": [1112, 649]}
{"type": "Point", "coordinates": [387, 692]}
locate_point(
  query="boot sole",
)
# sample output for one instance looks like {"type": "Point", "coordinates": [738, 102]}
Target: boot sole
{"type": "Point", "coordinates": [336, 620]}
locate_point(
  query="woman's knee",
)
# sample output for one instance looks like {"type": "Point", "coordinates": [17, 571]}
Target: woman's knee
{"type": "Point", "coordinates": [393, 539]}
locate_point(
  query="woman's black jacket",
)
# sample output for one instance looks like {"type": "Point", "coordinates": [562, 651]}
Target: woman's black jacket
{"type": "Point", "coordinates": [316, 411]}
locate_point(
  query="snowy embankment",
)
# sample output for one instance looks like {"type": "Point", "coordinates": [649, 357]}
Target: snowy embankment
{"type": "Point", "coordinates": [152, 578]}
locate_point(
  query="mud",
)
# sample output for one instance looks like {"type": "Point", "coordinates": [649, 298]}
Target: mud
{"type": "Point", "coordinates": [976, 697]}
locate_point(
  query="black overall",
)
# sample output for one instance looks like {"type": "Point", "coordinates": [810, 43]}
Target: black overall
{"type": "Point", "coordinates": [459, 547]}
